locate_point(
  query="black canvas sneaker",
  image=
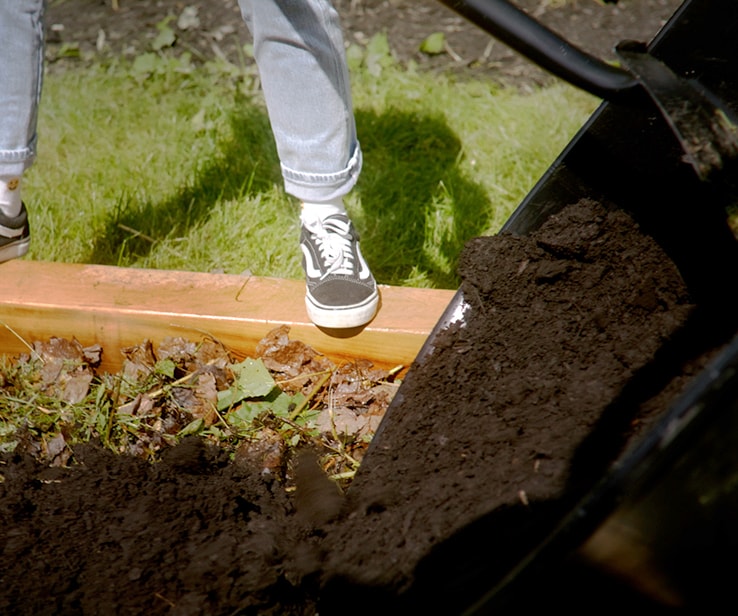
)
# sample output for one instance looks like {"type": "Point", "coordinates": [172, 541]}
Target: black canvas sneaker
{"type": "Point", "coordinates": [15, 236]}
{"type": "Point", "coordinates": [341, 291]}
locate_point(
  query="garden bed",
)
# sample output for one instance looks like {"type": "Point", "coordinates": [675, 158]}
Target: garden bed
{"type": "Point", "coordinates": [512, 417]}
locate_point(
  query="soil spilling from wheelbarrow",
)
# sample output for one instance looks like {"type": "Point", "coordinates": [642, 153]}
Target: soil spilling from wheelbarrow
{"type": "Point", "coordinates": [572, 343]}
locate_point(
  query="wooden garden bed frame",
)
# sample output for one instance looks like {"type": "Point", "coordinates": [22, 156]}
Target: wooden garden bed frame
{"type": "Point", "coordinates": [122, 307]}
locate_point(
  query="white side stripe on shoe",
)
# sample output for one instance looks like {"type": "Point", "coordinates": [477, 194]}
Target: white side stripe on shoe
{"type": "Point", "coordinates": [364, 271]}
{"type": "Point", "coordinates": [11, 231]}
{"type": "Point", "coordinates": [310, 270]}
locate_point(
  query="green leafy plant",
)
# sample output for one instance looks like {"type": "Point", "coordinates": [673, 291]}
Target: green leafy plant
{"type": "Point", "coordinates": [434, 44]}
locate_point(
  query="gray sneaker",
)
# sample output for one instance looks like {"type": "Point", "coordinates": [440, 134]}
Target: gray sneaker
{"type": "Point", "coordinates": [15, 236]}
{"type": "Point", "coordinates": [341, 291]}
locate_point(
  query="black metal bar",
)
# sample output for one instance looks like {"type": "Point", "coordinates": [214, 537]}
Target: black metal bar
{"type": "Point", "coordinates": [548, 50]}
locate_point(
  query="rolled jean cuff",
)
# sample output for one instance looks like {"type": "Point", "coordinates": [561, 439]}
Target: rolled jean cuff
{"type": "Point", "coordinates": [15, 162]}
{"type": "Point", "coordinates": [320, 187]}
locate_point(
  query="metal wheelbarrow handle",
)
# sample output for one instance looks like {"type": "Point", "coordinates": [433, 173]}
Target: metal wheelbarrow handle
{"type": "Point", "coordinates": [547, 49]}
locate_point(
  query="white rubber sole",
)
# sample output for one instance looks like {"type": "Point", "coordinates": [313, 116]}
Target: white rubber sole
{"type": "Point", "coordinates": [14, 250]}
{"type": "Point", "coordinates": [345, 318]}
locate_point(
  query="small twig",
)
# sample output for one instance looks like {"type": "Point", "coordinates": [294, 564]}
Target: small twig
{"type": "Point", "coordinates": [343, 475]}
{"type": "Point", "coordinates": [136, 232]}
{"type": "Point", "coordinates": [342, 452]}
{"type": "Point", "coordinates": [180, 381]}
{"type": "Point", "coordinates": [222, 419]}
{"type": "Point", "coordinates": [452, 53]}
{"type": "Point", "coordinates": [301, 407]}
{"type": "Point", "coordinates": [159, 595]}
{"type": "Point", "coordinates": [23, 341]}
{"type": "Point", "coordinates": [301, 377]}
{"type": "Point", "coordinates": [332, 416]}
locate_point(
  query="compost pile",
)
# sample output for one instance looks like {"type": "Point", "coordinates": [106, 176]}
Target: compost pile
{"type": "Point", "coordinates": [518, 408]}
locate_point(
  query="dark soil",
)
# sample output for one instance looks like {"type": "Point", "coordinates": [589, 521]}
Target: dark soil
{"type": "Point", "coordinates": [501, 423]}
{"type": "Point", "coordinates": [509, 418]}
{"type": "Point", "coordinates": [593, 26]}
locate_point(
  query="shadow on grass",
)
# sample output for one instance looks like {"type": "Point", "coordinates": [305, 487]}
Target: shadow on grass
{"type": "Point", "coordinates": [413, 196]}
{"type": "Point", "coordinates": [246, 164]}
{"type": "Point", "coordinates": [410, 184]}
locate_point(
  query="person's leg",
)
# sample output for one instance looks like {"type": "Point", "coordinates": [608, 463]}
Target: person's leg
{"type": "Point", "coordinates": [299, 50]}
{"type": "Point", "coordinates": [298, 46]}
{"type": "Point", "coordinates": [21, 71]}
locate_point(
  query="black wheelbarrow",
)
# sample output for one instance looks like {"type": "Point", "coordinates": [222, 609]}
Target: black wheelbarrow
{"type": "Point", "coordinates": [663, 146]}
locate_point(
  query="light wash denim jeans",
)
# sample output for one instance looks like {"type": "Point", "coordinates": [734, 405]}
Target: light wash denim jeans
{"type": "Point", "coordinates": [298, 47]}
{"type": "Point", "coordinates": [21, 72]}
{"type": "Point", "coordinates": [299, 51]}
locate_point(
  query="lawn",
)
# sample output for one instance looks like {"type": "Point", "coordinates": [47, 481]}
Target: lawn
{"type": "Point", "coordinates": [162, 163]}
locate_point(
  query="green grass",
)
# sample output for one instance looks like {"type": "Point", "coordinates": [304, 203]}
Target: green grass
{"type": "Point", "coordinates": [161, 164]}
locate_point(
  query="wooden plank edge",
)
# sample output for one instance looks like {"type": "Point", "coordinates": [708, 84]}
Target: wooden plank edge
{"type": "Point", "coordinates": [121, 307]}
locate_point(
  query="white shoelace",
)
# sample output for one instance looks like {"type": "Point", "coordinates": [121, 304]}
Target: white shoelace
{"type": "Point", "coordinates": [334, 243]}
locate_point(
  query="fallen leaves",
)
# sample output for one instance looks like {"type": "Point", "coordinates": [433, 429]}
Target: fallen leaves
{"type": "Point", "coordinates": [64, 372]}
{"type": "Point", "coordinates": [262, 408]}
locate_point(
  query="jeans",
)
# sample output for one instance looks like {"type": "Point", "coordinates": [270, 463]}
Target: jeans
{"type": "Point", "coordinates": [298, 47]}
{"type": "Point", "coordinates": [21, 73]}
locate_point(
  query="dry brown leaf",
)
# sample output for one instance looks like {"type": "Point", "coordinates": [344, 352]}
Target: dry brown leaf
{"type": "Point", "coordinates": [347, 423]}
{"type": "Point", "coordinates": [139, 361]}
{"type": "Point", "coordinates": [199, 398]}
{"type": "Point", "coordinates": [64, 373]}
{"type": "Point", "coordinates": [289, 358]}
